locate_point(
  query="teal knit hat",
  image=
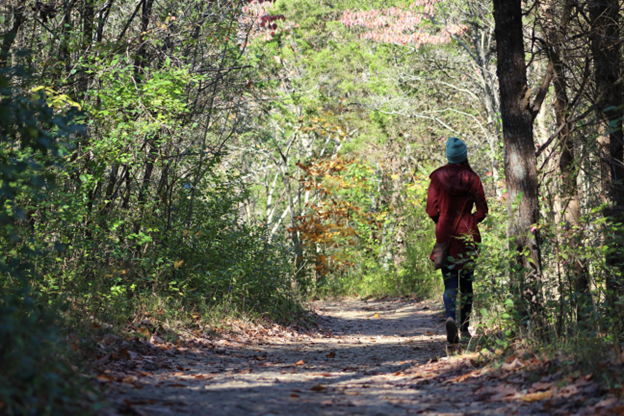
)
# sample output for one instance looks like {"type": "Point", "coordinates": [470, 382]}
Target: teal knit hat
{"type": "Point", "coordinates": [456, 151]}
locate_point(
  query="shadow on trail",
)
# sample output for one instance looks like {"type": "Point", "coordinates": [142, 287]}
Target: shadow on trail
{"type": "Point", "coordinates": [381, 358]}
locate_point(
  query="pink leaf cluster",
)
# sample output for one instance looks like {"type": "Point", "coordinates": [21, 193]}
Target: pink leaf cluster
{"type": "Point", "coordinates": [258, 22]}
{"type": "Point", "coordinates": [400, 26]}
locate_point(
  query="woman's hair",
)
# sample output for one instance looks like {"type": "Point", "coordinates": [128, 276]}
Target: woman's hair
{"type": "Point", "coordinates": [466, 164]}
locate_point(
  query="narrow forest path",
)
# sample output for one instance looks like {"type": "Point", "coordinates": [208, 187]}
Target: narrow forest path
{"type": "Point", "coordinates": [369, 358]}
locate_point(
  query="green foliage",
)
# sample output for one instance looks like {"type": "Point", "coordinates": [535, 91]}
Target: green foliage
{"type": "Point", "coordinates": [33, 380]}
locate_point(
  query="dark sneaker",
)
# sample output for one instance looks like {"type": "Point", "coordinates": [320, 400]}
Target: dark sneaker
{"type": "Point", "coordinates": [451, 331]}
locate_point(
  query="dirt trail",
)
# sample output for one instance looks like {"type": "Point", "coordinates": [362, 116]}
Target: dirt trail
{"type": "Point", "coordinates": [374, 358]}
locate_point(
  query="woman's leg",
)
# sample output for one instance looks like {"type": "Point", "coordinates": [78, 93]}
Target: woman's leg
{"type": "Point", "coordinates": [465, 284]}
{"type": "Point", "coordinates": [451, 285]}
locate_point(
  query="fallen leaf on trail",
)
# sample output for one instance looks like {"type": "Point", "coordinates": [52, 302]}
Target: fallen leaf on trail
{"type": "Point", "coordinates": [618, 410]}
{"type": "Point", "coordinates": [540, 386]}
{"type": "Point", "coordinates": [514, 365]}
{"type": "Point", "coordinates": [533, 397]}
{"type": "Point", "coordinates": [300, 362]}
{"type": "Point", "coordinates": [176, 385]}
{"type": "Point", "coordinates": [326, 374]}
{"type": "Point", "coordinates": [372, 340]}
{"type": "Point", "coordinates": [398, 373]}
{"type": "Point", "coordinates": [460, 378]}
{"type": "Point", "coordinates": [318, 387]}
{"type": "Point", "coordinates": [202, 377]}
{"type": "Point", "coordinates": [144, 331]}
{"type": "Point", "coordinates": [294, 395]}
{"type": "Point", "coordinates": [607, 402]}
{"type": "Point", "coordinates": [511, 358]}
{"type": "Point", "coordinates": [105, 378]}
{"type": "Point", "coordinates": [178, 374]}
{"type": "Point", "coordinates": [474, 363]}
{"type": "Point", "coordinates": [569, 390]}
{"type": "Point", "coordinates": [376, 315]}
{"type": "Point", "coordinates": [331, 355]}
{"type": "Point", "coordinates": [429, 333]}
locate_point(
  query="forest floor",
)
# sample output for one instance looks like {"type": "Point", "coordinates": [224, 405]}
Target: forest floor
{"type": "Point", "coordinates": [366, 358]}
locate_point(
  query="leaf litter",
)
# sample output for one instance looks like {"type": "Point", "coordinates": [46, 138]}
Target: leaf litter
{"type": "Point", "coordinates": [336, 369]}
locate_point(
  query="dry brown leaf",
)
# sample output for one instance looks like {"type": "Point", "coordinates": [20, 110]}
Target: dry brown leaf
{"type": "Point", "coordinates": [511, 358]}
{"type": "Point", "coordinates": [618, 410]}
{"type": "Point", "coordinates": [144, 331]}
{"type": "Point", "coordinates": [318, 387]}
{"type": "Point", "coordinates": [461, 378]}
{"type": "Point", "coordinates": [513, 365]}
{"type": "Point", "coordinates": [331, 355]}
{"type": "Point", "coordinates": [569, 390]}
{"type": "Point", "coordinates": [300, 362]}
{"type": "Point", "coordinates": [105, 378]}
{"type": "Point", "coordinates": [607, 402]}
{"type": "Point", "coordinates": [294, 395]}
{"type": "Point", "coordinates": [540, 386]}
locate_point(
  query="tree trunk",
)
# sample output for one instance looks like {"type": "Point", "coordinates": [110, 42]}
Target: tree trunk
{"type": "Point", "coordinates": [605, 45]}
{"type": "Point", "coordinates": [519, 161]}
{"type": "Point", "coordinates": [11, 35]}
{"type": "Point", "coordinates": [570, 204]}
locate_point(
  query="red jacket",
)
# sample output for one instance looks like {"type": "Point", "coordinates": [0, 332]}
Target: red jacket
{"type": "Point", "coordinates": [452, 187]}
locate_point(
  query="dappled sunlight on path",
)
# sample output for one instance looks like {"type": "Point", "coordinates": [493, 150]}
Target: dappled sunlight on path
{"type": "Point", "coordinates": [370, 358]}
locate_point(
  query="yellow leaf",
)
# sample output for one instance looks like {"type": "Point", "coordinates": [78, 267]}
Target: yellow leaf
{"type": "Point", "coordinates": [533, 397]}
{"type": "Point", "coordinates": [178, 264]}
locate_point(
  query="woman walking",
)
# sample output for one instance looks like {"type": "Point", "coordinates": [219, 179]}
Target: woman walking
{"type": "Point", "coordinates": [454, 190]}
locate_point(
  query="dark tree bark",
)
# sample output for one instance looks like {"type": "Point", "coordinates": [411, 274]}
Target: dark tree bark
{"type": "Point", "coordinates": [9, 37]}
{"type": "Point", "coordinates": [555, 43]}
{"type": "Point", "coordinates": [519, 160]}
{"type": "Point", "coordinates": [605, 45]}
{"type": "Point", "coordinates": [88, 15]}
